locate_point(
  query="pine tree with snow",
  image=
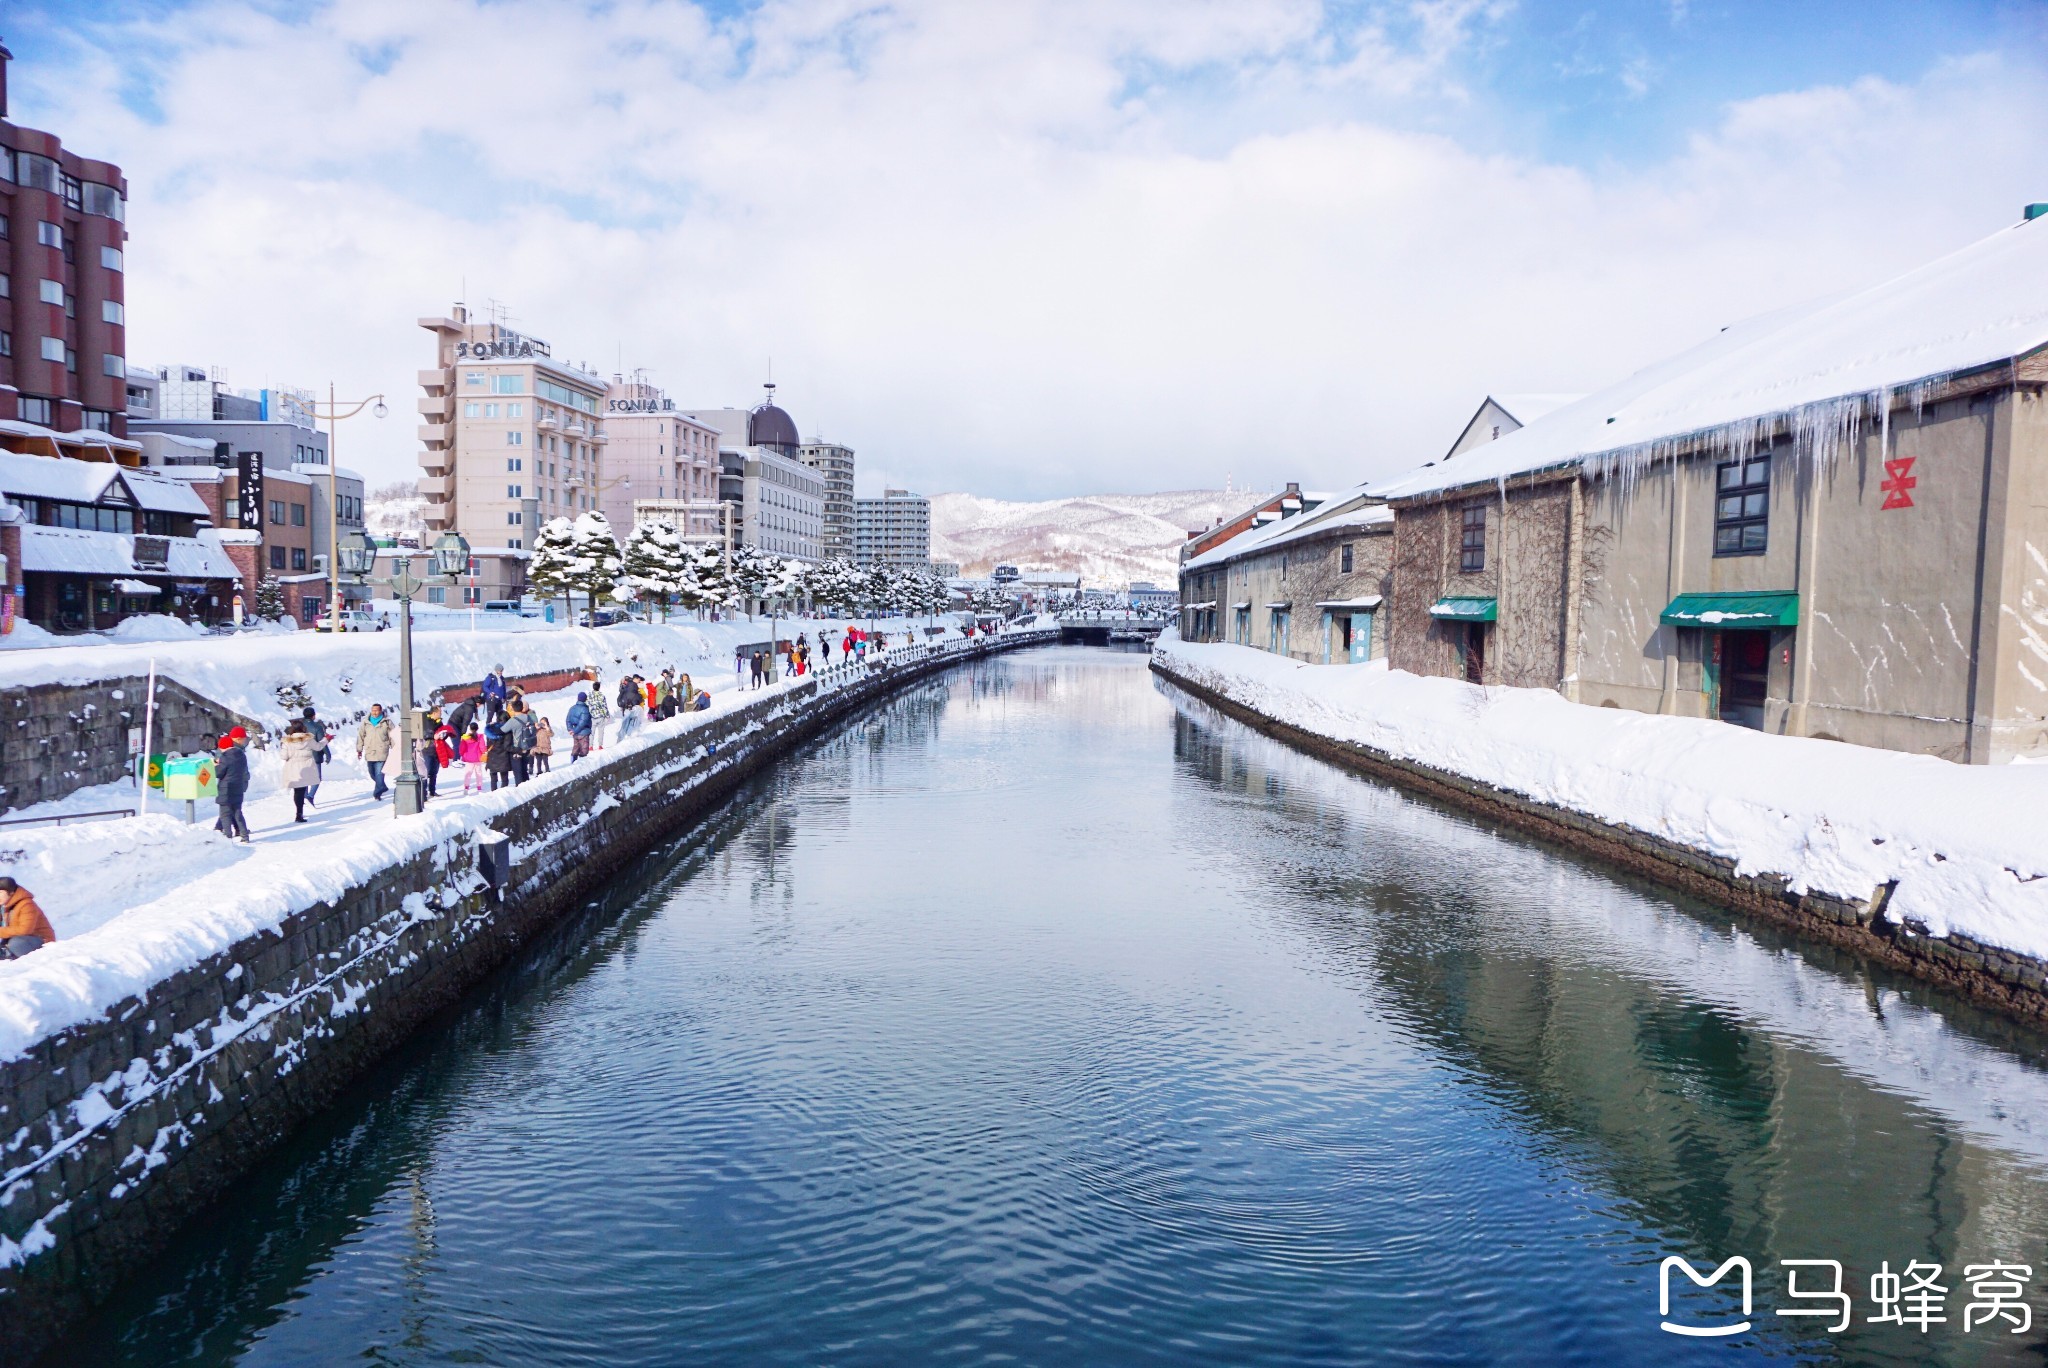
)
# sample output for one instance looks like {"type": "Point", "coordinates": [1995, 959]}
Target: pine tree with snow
{"type": "Point", "coordinates": [598, 564]}
{"type": "Point", "coordinates": [657, 564]}
{"type": "Point", "coordinates": [551, 569]}
{"type": "Point", "coordinates": [270, 603]}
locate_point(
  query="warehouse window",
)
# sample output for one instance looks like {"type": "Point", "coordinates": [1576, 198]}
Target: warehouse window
{"type": "Point", "coordinates": [1742, 506]}
{"type": "Point", "coordinates": [1472, 539]}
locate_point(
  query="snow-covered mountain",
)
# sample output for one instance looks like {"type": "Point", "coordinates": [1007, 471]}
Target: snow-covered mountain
{"type": "Point", "coordinates": [395, 511]}
{"type": "Point", "coordinates": [1111, 539]}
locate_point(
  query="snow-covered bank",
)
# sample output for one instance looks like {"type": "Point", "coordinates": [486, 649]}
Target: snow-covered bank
{"type": "Point", "coordinates": [1966, 846]}
{"type": "Point", "coordinates": [153, 896]}
{"type": "Point", "coordinates": [342, 674]}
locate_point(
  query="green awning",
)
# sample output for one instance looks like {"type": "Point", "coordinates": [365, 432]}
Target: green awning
{"type": "Point", "coordinates": [1752, 609]}
{"type": "Point", "coordinates": [1460, 609]}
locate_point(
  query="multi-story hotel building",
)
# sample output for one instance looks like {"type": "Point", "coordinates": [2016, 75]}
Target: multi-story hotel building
{"type": "Point", "coordinates": [835, 463]}
{"type": "Point", "coordinates": [63, 332]}
{"type": "Point", "coordinates": [894, 530]}
{"type": "Point", "coordinates": [659, 463]}
{"type": "Point", "coordinates": [780, 499]}
{"type": "Point", "coordinates": [512, 437]}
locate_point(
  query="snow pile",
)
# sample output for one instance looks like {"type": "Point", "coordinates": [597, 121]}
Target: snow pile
{"type": "Point", "coordinates": [1964, 844]}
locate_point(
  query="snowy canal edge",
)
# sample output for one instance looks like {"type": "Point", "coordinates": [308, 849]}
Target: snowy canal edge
{"type": "Point", "coordinates": [144, 1074]}
{"type": "Point", "coordinates": [1936, 868]}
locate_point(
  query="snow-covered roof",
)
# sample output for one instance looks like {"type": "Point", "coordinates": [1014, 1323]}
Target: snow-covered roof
{"type": "Point", "coordinates": [74, 551]}
{"type": "Point", "coordinates": [1527, 408]}
{"type": "Point", "coordinates": [54, 477]}
{"type": "Point", "coordinates": [162, 494]}
{"type": "Point", "coordinates": [1340, 510]}
{"type": "Point", "coordinates": [1984, 304]}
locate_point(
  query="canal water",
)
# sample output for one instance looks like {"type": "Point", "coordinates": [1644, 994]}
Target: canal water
{"type": "Point", "coordinates": [1043, 1016]}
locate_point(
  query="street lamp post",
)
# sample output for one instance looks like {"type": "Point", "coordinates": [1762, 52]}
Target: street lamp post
{"type": "Point", "coordinates": [450, 558]}
{"type": "Point", "coordinates": [334, 415]}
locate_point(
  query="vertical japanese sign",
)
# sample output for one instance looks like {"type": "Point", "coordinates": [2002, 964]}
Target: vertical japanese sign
{"type": "Point", "coordinates": [249, 488]}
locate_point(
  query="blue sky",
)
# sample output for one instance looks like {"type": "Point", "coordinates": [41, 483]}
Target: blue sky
{"type": "Point", "coordinates": [1033, 247]}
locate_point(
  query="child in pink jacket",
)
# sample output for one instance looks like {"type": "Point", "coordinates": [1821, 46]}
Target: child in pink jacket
{"type": "Point", "coordinates": [472, 751]}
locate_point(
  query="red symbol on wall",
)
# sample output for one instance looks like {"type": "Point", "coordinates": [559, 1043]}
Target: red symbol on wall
{"type": "Point", "coordinates": [1898, 490]}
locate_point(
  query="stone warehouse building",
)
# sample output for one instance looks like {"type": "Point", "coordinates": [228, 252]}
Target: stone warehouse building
{"type": "Point", "coordinates": [1309, 584]}
{"type": "Point", "coordinates": [1829, 522]}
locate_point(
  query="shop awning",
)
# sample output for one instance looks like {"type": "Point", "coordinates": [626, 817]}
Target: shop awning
{"type": "Point", "coordinates": [1768, 608]}
{"type": "Point", "coordinates": [1459, 608]}
{"type": "Point", "coordinates": [133, 586]}
{"type": "Point", "coordinates": [1353, 604]}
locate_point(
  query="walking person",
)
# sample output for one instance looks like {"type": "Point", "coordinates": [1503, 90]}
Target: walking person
{"type": "Point", "coordinates": [685, 694]}
{"type": "Point", "coordinates": [321, 753]}
{"type": "Point", "coordinates": [373, 748]}
{"type": "Point", "coordinates": [520, 735]}
{"type": "Point", "coordinates": [629, 706]}
{"type": "Point", "coordinates": [471, 751]}
{"type": "Point", "coordinates": [429, 752]}
{"type": "Point", "coordinates": [759, 665]}
{"type": "Point", "coordinates": [498, 752]}
{"type": "Point", "coordinates": [579, 724]}
{"type": "Point", "coordinates": [230, 787]}
{"type": "Point", "coordinates": [739, 667]}
{"type": "Point", "coordinates": [543, 743]}
{"type": "Point", "coordinates": [600, 715]}
{"type": "Point", "coordinates": [301, 771]}
{"type": "Point", "coordinates": [494, 686]}
{"type": "Point", "coordinates": [824, 651]}
{"type": "Point", "coordinates": [24, 929]}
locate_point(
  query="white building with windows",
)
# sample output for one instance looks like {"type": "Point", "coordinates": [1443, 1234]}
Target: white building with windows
{"type": "Point", "coordinates": [894, 530]}
{"type": "Point", "coordinates": [779, 497]}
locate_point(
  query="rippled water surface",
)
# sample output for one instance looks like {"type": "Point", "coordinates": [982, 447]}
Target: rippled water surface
{"type": "Point", "coordinates": [1045, 1017]}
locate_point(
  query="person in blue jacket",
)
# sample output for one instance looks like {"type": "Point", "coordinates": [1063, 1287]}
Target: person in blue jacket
{"type": "Point", "coordinates": [579, 722]}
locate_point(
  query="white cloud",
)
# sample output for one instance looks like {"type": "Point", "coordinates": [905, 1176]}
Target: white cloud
{"type": "Point", "coordinates": [1020, 248]}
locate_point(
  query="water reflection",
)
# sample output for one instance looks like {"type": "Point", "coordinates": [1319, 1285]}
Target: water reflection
{"type": "Point", "coordinates": [1042, 1016]}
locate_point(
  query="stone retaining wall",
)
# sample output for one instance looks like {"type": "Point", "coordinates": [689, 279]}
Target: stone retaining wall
{"type": "Point", "coordinates": [2016, 985]}
{"type": "Point", "coordinates": [58, 738]}
{"type": "Point", "coordinates": [117, 1131]}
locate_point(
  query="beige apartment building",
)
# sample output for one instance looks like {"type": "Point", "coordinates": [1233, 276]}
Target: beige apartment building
{"type": "Point", "coordinates": [511, 437]}
{"type": "Point", "coordinates": [659, 463]}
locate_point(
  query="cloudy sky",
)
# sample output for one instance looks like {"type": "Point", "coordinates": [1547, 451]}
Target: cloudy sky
{"type": "Point", "coordinates": [1032, 247]}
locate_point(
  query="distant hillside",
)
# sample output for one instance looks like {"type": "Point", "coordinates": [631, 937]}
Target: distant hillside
{"type": "Point", "coordinates": [395, 511]}
{"type": "Point", "coordinates": [1110, 539]}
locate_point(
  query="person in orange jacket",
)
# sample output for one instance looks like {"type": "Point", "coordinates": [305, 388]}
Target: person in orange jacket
{"type": "Point", "coordinates": [26, 927]}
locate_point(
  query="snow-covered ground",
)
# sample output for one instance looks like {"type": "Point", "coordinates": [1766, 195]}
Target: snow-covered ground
{"type": "Point", "coordinates": [138, 899]}
{"type": "Point", "coordinates": [1966, 845]}
{"type": "Point", "coordinates": [342, 674]}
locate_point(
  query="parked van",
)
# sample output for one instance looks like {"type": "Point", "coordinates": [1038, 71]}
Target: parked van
{"type": "Point", "coordinates": [502, 606]}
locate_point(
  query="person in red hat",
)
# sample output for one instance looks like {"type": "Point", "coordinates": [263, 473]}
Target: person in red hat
{"type": "Point", "coordinates": [231, 785]}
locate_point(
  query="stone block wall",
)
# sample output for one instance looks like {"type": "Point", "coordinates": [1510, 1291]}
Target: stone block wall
{"type": "Point", "coordinates": [58, 738]}
{"type": "Point", "coordinates": [115, 1132]}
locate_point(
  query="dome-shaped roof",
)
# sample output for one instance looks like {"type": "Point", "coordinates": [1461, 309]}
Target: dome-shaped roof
{"type": "Point", "coordinates": [769, 426]}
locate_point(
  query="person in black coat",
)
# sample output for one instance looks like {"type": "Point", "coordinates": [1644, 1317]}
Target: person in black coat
{"type": "Point", "coordinates": [231, 786]}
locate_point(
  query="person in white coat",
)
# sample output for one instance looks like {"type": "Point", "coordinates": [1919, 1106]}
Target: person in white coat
{"type": "Point", "coordinates": [301, 770]}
